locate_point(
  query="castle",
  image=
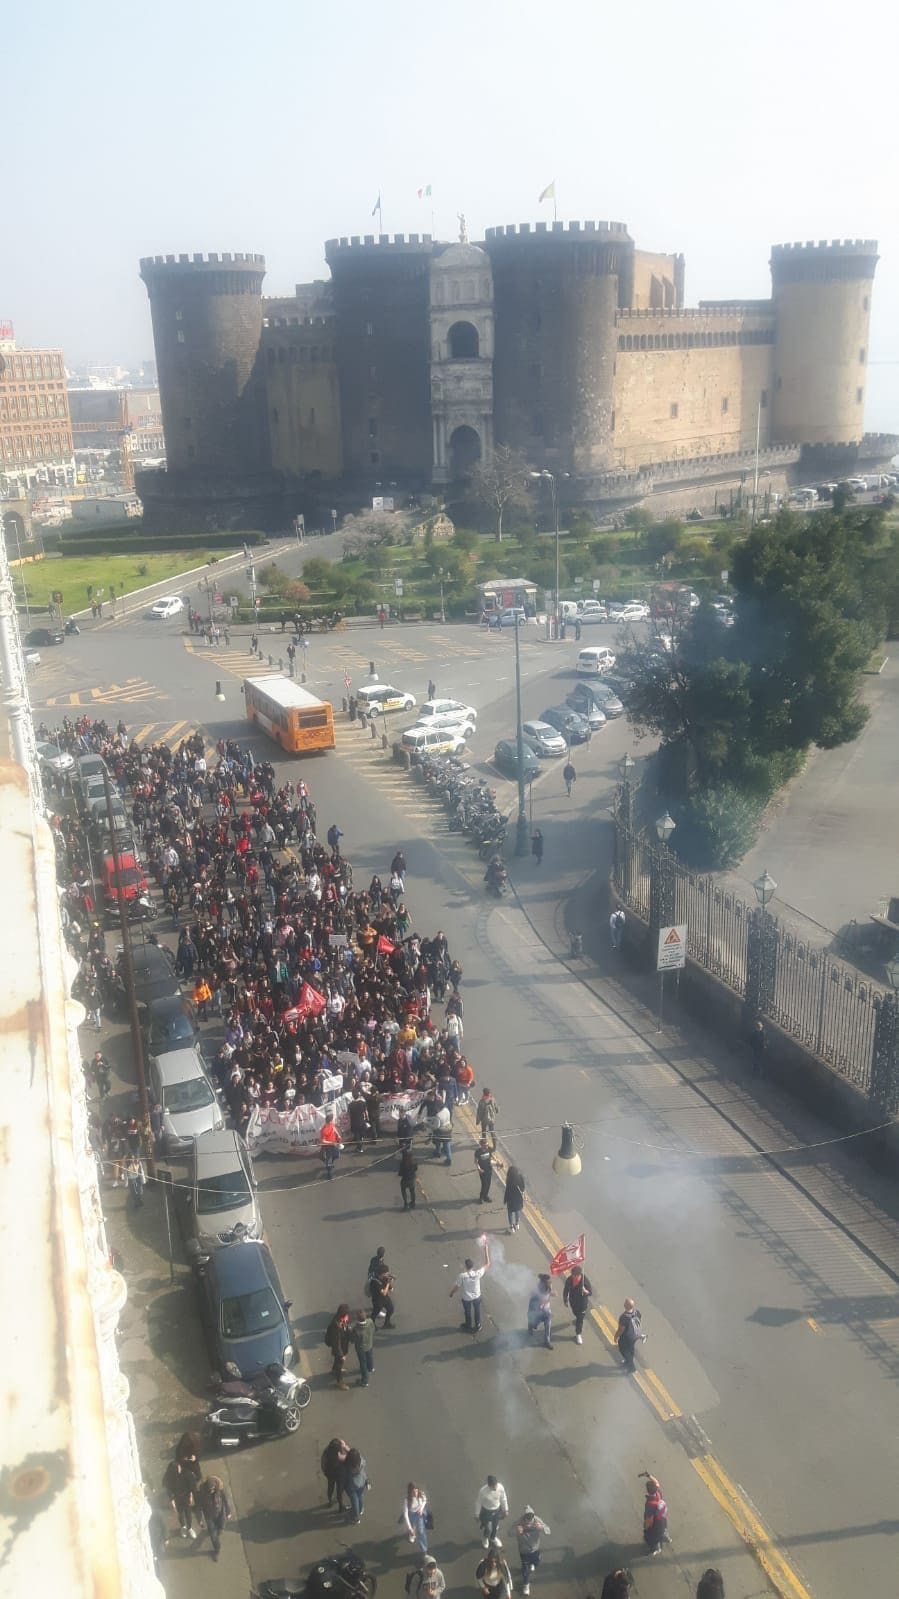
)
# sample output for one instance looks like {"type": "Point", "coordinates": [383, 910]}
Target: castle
{"type": "Point", "coordinates": [562, 340]}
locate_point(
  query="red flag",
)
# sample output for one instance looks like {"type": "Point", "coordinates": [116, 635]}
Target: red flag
{"type": "Point", "coordinates": [311, 1000]}
{"type": "Point", "coordinates": [384, 945]}
{"type": "Point", "coordinates": [569, 1255]}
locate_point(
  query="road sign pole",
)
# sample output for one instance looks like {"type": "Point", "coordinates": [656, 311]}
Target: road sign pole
{"type": "Point", "coordinates": [661, 999]}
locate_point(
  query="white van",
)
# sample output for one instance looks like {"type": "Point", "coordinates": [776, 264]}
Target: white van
{"type": "Point", "coordinates": [421, 740]}
{"type": "Point", "coordinates": [595, 660]}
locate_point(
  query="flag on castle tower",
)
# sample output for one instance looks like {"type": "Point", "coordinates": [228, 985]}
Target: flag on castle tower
{"type": "Point", "coordinates": [377, 205]}
{"type": "Point", "coordinates": [549, 193]}
{"type": "Point", "coordinates": [425, 193]}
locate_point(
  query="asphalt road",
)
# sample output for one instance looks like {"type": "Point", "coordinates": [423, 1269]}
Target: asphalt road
{"type": "Point", "coordinates": [769, 1286]}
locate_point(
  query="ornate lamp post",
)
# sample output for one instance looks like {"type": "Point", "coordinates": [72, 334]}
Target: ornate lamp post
{"type": "Point", "coordinates": [761, 951]}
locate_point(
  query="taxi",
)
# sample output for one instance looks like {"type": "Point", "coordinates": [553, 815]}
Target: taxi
{"type": "Point", "coordinates": [377, 698]}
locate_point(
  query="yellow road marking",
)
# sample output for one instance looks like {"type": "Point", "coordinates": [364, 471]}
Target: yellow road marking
{"type": "Point", "coordinates": [733, 1502]}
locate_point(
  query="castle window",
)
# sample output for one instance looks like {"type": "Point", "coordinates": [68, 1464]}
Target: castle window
{"type": "Point", "coordinates": [369, 329]}
{"type": "Point", "coordinates": [861, 356]}
{"type": "Point", "coordinates": [673, 411]}
{"type": "Point", "coordinates": [372, 373]}
{"type": "Point", "coordinates": [612, 424]}
{"type": "Point", "coordinates": [188, 422]}
{"type": "Point", "coordinates": [372, 427]}
{"type": "Point", "coordinates": [275, 415]}
{"type": "Point", "coordinates": [538, 426]}
{"type": "Point", "coordinates": [313, 353]}
{"type": "Point", "coordinates": [191, 452]}
{"type": "Point", "coordinates": [464, 344]}
{"type": "Point", "coordinates": [180, 336]}
{"type": "Point", "coordinates": [179, 316]}
{"type": "Point", "coordinates": [725, 405]}
{"type": "Point", "coordinates": [536, 321]}
{"type": "Point", "coordinates": [642, 341]}
{"type": "Point", "coordinates": [312, 416]}
{"type": "Point", "coordinates": [865, 303]}
{"type": "Point", "coordinates": [621, 342]}
{"type": "Point", "coordinates": [859, 396]}
{"type": "Point", "coordinates": [375, 457]}
{"type": "Point", "coordinates": [763, 399]}
{"type": "Point", "coordinates": [780, 384]}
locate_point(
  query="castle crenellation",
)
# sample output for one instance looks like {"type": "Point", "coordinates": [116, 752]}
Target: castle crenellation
{"type": "Point", "coordinates": [563, 340]}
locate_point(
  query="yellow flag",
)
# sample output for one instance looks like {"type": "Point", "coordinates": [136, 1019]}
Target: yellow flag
{"type": "Point", "coordinates": [549, 192]}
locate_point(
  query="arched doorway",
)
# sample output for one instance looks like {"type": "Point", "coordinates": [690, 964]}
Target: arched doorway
{"type": "Point", "coordinates": [464, 344]}
{"type": "Point", "coordinates": [465, 451]}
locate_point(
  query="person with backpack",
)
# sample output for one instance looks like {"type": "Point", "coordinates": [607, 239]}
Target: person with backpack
{"type": "Point", "coordinates": [426, 1581]}
{"type": "Point", "coordinates": [629, 1334]}
{"type": "Point", "coordinates": [710, 1585]}
{"type": "Point", "coordinates": [617, 1585]}
{"type": "Point", "coordinates": [380, 1282]}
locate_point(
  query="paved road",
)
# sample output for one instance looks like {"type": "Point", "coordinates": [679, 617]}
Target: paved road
{"type": "Point", "coordinates": [769, 1284]}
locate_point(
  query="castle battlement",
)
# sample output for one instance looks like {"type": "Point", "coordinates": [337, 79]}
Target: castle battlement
{"type": "Point", "coordinates": [835, 247]}
{"type": "Point", "coordinates": [703, 313]}
{"type": "Point", "coordinates": [153, 263]}
{"type": "Point", "coordinates": [413, 243]}
{"type": "Point", "coordinates": [299, 322]}
{"type": "Point", "coordinates": [605, 230]}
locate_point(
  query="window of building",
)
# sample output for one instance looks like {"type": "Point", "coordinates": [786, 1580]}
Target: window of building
{"type": "Point", "coordinates": [372, 373]}
{"type": "Point", "coordinates": [673, 411]}
{"type": "Point", "coordinates": [865, 303]}
{"type": "Point", "coordinates": [861, 356]}
{"type": "Point", "coordinates": [375, 457]}
{"type": "Point", "coordinates": [372, 427]}
{"type": "Point", "coordinates": [313, 353]}
{"type": "Point", "coordinates": [725, 406]}
{"type": "Point", "coordinates": [779, 385]}
{"type": "Point", "coordinates": [763, 399]}
{"type": "Point", "coordinates": [535, 371]}
{"type": "Point", "coordinates": [312, 416]}
{"type": "Point", "coordinates": [179, 316]}
{"type": "Point", "coordinates": [859, 396]}
{"type": "Point", "coordinates": [188, 421]}
{"type": "Point", "coordinates": [613, 422]}
{"type": "Point", "coordinates": [180, 336]}
{"type": "Point", "coordinates": [369, 329]}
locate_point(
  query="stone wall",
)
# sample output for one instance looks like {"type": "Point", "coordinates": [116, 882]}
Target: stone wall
{"type": "Point", "coordinates": [302, 395]}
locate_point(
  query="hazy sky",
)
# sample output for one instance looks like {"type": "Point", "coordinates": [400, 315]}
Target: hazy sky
{"type": "Point", "coordinates": [714, 129]}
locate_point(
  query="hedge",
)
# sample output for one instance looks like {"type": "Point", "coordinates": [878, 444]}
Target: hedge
{"type": "Point", "coordinates": [157, 545]}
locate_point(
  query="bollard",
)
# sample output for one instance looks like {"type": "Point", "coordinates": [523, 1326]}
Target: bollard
{"type": "Point", "coordinates": [371, 669]}
{"type": "Point", "coordinates": [384, 741]}
{"type": "Point", "coordinates": [280, 663]}
{"type": "Point", "coordinates": [374, 731]}
{"type": "Point", "coordinates": [343, 704]}
{"type": "Point", "coordinates": [577, 945]}
{"type": "Point", "coordinates": [302, 677]}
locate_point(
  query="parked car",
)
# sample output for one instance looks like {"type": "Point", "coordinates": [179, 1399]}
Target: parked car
{"type": "Point", "coordinates": [441, 712]}
{"type": "Point", "coordinates": [45, 636]}
{"type": "Point", "coordinates": [423, 739]}
{"type": "Point", "coordinates": [169, 1022]}
{"type": "Point", "coordinates": [597, 660]}
{"type": "Point", "coordinates": [543, 739]}
{"type": "Point", "coordinates": [634, 611]}
{"type": "Point", "coordinates": [596, 701]}
{"type": "Point", "coordinates": [221, 1198]}
{"type": "Point", "coordinates": [128, 876]}
{"type": "Point", "coordinates": [505, 757]}
{"type": "Point", "coordinates": [513, 614]}
{"type": "Point", "coordinates": [168, 605]}
{"type": "Point", "coordinates": [376, 698]}
{"type": "Point", "coordinates": [592, 611]}
{"type": "Point", "coordinates": [154, 973]}
{"type": "Point", "coordinates": [244, 1308]}
{"type": "Point", "coordinates": [574, 728]}
{"type": "Point", "coordinates": [189, 1102]}
{"type": "Point", "coordinates": [53, 759]}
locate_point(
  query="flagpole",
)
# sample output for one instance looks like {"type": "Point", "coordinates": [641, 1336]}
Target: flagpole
{"type": "Point", "coordinates": [555, 206]}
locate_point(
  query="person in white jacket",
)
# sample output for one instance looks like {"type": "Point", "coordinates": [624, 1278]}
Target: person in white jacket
{"type": "Point", "coordinates": [415, 1517]}
{"type": "Point", "coordinates": [491, 1507]}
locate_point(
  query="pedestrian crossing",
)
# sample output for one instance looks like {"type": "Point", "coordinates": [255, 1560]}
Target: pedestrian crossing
{"type": "Point", "coordinates": [134, 688]}
{"type": "Point", "coordinates": [173, 734]}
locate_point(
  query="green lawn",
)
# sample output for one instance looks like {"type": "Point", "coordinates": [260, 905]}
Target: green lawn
{"type": "Point", "coordinates": [72, 574]}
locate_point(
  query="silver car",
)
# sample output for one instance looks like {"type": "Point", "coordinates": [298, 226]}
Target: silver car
{"type": "Point", "coordinates": [189, 1103]}
{"type": "Point", "coordinates": [221, 1203]}
{"type": "Point", "coordinates": [543, 739]}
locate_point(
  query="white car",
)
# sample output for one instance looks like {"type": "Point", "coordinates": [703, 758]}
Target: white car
{"type": "Point", "coordinates": [55, 759]}
{"type": "Point", "coordinates": [429, 738]}
{"type": "Point", "coordinates": [543, 739]}
{"type": "Point", "coordinates": [592, 611]}
{"type": "Point", "coordinates": [632, 612]}
{"type": "Point", "coordinates": [440, 713]}
{"type": "Point", "coordinates": [595, 660]}
{"type": "Point", "coordinates": [169, 605]}
{"type": "Point", "coordinates": [376, 698]}
{"type": "Point", "coordinates": [32, 657]}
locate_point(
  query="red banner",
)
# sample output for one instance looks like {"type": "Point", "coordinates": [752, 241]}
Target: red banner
{"type": "Point", "coordinates": [384, 945]}
{"type": "Point", "coordinates": [569, 1255]}
{"type": "Point", "coordinates": [311, 1000]}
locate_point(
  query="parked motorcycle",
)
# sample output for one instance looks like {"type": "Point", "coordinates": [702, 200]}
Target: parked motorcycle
{"type": "Point", "coordinates": [496, 879]}
{"type": "Point", "coordinates": [341, 1577]}
{"type": "Point", "coordinates": [139, 909]}
{"type": "Point", "coordinates": [71, 626]}
{"type": "Point", "coordinates": [269, 1407]}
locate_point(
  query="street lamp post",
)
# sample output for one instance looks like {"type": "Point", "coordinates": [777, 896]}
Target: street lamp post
{"type": "Point", "coordinates": [662, 900]}
{"type": "Point", "coordinates": [761, 951]}
{"type": "Point", "coordinates": [550, 478]}
{"type": "Point", "coordinates": [521, 825]}
{"type": "Point", "coordinates": [440, 575]}
{"type": "Point", "coordinates": [624, 828]}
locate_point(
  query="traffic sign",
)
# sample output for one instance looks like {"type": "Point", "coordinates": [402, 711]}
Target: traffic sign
{"type": "Point", "coordinates": [596, 585]}
{"type": "Point", "coordinates": [672, 948]}
{"type": "Point", "coordinates": [398, 587]}
{"type": "Point", "coordinates": [347, 681]}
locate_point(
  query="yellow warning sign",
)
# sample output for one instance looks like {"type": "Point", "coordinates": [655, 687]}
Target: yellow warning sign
{"type": "Point", "coordinates": [672, 948]}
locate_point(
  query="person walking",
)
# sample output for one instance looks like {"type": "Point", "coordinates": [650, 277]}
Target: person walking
{"type": "Point", "coordinates": [483, 1160]}
{"type": "Point", "coordinates": [354, 1475]}
{"type": "Point", "coordinates": [570, 776]}
{"type": "Point", "coordinates": [629, 1334]}
{"type": "Point", "coordinates": [617, 1584]}
{"type": "Point", "coordinates": [415, 1516]}
{"type": "Point", "coordinates": [493, 1573]}
{"type": "Point", "coordinates": [491, 1507]}
{"type": "Point", "coordinates": [202, 996]}
{"type": "Point", "coordinates": [179, 1483]}
{"type": "Point", "coordinates": [576, 1295]}
{"type": "Point", "coordinates": [426, 1581]}
{"type": "Point", "coordinates": [758, 1045]}
{"type": "Point", "coordinates": [337, 1339]}
{"type": "Point", "coordinates": [486, 1115]}
{"type": "Point", "coordinates": [363, 1335]}
{"type": "Point", "coordinates": [329, 1144]}
{"type": "Point", "coordinates": [529, 1530]}
{"type": "Point", "coordinates": [407, 1168]}
{"type": "Point", "coordinates": [616, 928]}
{"type": "Point", "coordinates": [655, 1516]}
{"type": "Point", "coordinates": [216, 1508]}
{"type": "Point", "coordinates": [537, 845]}
{"type": "Point", "coordinates": [468, 1285]}
{"type": "Point", "coordinates": [513, 1197]}
{"type": "Point", "coordinates": [432, 688]}
{"type": "Point", "coordinates": [540, 1310]}
{"type": "Point", "coordinates": [333, 1456]}
{"type": "Point", "coordinates": [380, 1282]}
{"type": "Point", "coordinates": [710, 1584]}
{"type": "Point", "coordinates": [135, 1177]}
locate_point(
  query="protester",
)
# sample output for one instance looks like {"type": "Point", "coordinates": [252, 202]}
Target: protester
{"type": "Point", "coordinates": [491, 1507]}
{"type": "Point", "coordinates": [468, 1285]}
{"type": "Point", "coordinates": [483, 1160]}
{"type": "Point", "coordinates": [576, 1295]}
{"type": "Point", "coordinates": [710, 1585]}
{"type": "Point", "coordinates": [486, 1116]}
{"type": "Point", "coordinates": [354, 1476]}
{"type": "Point", "coordinates": [363, 1335]}
{"type": "Point", "coordinates": [493, 1573]}
{"type": "Point", "coordinates": [215, 1504]}
{"type": "Point", "coordinates": [540, 1313]}
{"type": "Point", "coordinates": [617, 1585]}
{"type": "Point", "coordinates": [337, 1339]}
{"type": "Point", "coordinates": [529, 1531]}
{"type": "Point", "coordinates": [426, 1581]}
{"type": "Point", "coordinates": [416, 1516]}
{"type": "Point", "coordinates": [333, 1456]}
{"type": "Point", "coordinates": [655, 1516]}
{"type": "Point", "coordinates": [629, 1333]}
{"type": "Point", "coordinates": [513, 1197]}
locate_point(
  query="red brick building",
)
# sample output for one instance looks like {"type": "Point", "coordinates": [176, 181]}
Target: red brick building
{"type": "Point", "coordinates": [35, 426]}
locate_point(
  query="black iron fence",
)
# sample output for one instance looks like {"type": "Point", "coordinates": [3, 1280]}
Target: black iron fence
{"type": "Point", "coordinates": [841, 1016]}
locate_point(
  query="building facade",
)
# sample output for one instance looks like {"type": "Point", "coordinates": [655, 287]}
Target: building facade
{"type": "Point", "coordinates": [561, 340]}
{"type": "Point", "coordinates": [35, 426]}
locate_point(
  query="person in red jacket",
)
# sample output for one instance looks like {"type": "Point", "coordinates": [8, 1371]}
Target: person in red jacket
{"type": "Point", "coordinates": [329, 1144]}
{"type": "Point", "coordinates": [655, 1516]}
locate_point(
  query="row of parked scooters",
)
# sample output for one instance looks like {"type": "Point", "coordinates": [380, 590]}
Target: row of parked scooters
{"type": "Point", "coordinates": [470, 804]}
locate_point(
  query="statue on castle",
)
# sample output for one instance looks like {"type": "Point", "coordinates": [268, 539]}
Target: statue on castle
{"type": "Point", "coordinates": [463, 228]}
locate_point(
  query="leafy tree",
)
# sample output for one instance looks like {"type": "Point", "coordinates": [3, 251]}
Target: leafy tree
{"type": "Point", "coordinates": [465, 539]}
{"type": "Point", "coordinates": [662, 538]}
{"type": "Point", "coordinates": [318, 572]}
{"type": "Point", "coordinates": [501, 483]}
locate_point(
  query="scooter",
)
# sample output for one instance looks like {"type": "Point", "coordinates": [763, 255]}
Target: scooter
{"type": "Point", "coordinates": [340, 1577]}
{"type": "Point", "coordinates": [140, 909]}
{"type": "Point", "coordinates": [270, 1412]}
{"type": "Point", "coordinates": [496, 881]}
{"type": "Point", "coordinates": [71, 626]}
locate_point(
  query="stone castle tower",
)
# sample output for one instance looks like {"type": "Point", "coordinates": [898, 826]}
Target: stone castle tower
{"type": "Point", "coordinates": [822, 307]}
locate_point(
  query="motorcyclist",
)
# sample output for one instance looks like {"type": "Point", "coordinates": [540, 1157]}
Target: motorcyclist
{"type": "Point", "coordinates": [495, 875]}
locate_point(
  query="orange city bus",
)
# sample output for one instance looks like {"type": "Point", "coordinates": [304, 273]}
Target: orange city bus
{"type": "Point", "coordinates": [295, 718]}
